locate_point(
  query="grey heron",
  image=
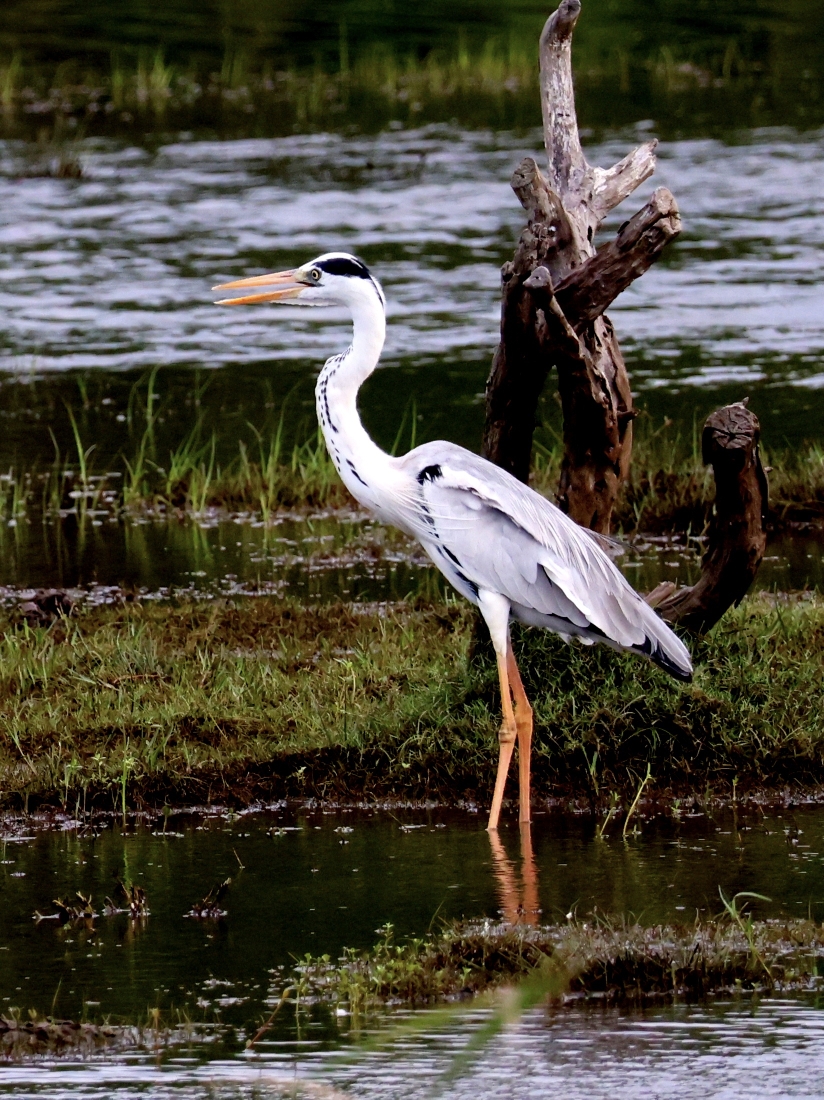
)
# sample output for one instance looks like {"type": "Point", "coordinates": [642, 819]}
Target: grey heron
{"type": "Point", "coordinates": [499, 543]}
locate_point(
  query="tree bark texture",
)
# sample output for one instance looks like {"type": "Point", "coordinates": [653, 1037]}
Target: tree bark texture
{"type": "Point", "coordinates": [738, 530]}
{"type": "Point", "coordinates": [564, 210]}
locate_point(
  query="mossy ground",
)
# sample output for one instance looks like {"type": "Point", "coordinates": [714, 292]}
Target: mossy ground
{"type": "Point", "coordinates": [619, 962]}
{"type": "Point", "coordinates": [186, 702]}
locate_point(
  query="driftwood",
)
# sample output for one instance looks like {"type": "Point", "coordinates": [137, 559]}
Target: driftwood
{"type": "Point", "coordinates": [554, 294]}
{"type": "Point", "coordinates": [738, 530]}
{"type": "Point", "coordinates": [565, 209]}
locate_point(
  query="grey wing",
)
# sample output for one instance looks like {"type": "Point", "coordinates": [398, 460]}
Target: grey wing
{"type": "Point", "coordinates": [502, 536]}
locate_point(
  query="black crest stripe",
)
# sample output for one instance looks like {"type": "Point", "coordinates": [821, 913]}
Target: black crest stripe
{"type": "Point", "coordinates": [344, 265]}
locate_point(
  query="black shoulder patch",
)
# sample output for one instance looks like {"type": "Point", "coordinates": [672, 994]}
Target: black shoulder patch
{"type": "Point", "coordinates": [429, 473]}
{"type": "Point", "coordinates": [344, 265]}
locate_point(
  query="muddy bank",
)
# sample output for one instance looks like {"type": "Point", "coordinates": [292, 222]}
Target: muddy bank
{"type": "Point", "coordinates": [51, 1035]}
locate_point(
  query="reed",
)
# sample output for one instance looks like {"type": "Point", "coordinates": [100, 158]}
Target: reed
{"type": "Point", "coordinates": [492, 80]}
{"type": "Point", "coordinates": [669, 490]}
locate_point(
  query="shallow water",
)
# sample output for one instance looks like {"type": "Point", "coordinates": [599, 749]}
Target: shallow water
{"type": "Point", "coordinates": [316, 882]}
{"type": "Point", "coordinates": [331, 880]}
{"type": "Point", "coordinates": [323, 558]}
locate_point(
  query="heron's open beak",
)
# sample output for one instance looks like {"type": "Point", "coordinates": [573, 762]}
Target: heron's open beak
{"type": "Point", "coordinates": [289, 288]}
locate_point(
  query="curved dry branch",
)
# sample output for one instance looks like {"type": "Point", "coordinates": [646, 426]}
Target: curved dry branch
{"type": "Point", "coordinates": [610, 186]}
{"type": "Point", "coordinates": [589, 193]}
{"type": "Point", "coordinates": [590, 289]}
{"type": "Point", "coordinates": [565, 156]}
{"type": "Point", "coordinates": [738, 529]}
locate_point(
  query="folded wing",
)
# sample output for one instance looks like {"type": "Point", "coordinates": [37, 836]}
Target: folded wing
{"type": "Point", "coordinates": [502, 536]}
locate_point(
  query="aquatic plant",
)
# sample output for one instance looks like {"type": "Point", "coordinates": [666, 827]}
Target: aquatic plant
{"type": "Point", "coordinates": [485, 81]}
{"type": "Point", "coordinates": [669, 490]}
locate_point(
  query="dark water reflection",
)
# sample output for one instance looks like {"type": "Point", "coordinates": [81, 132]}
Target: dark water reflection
{"type": "Point", "coordinates": [322, 558]}
{"type": "Point", "coordinates": [316, 882]}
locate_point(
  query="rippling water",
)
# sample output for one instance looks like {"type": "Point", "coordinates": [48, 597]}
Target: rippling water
{"type": "Point", "coordinates": [769, 1050]}
{"type": "Point", "coordinates": [112, 274]}
{"type": "Point", "coordinates": [732, 1050]}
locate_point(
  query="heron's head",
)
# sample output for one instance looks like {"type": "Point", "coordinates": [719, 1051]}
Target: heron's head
{"type": "Point", "coordinates": [335, 278]}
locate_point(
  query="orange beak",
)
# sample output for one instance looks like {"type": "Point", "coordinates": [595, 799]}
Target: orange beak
{"type": "Point", "coordinates": [289, 288]}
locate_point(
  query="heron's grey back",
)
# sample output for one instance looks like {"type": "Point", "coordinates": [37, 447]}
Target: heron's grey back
{"type": "Point", "coordinates": [504, 537]}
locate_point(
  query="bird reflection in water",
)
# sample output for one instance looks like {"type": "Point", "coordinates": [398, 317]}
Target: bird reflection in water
{"type": "Point", "coordinates": [517, 894]}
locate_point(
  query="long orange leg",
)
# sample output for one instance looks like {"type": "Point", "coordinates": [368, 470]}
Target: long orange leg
{"type": "Point", "coordinates": [506, 737]}
{"type": "Point", "coordinates": [523, 722]}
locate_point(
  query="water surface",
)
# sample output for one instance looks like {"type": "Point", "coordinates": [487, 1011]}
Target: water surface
{"type": "Point", "coordinates": [109, 276]}
{"type": "Point", "coordinates": [323, 557]}
{"type": "Point", "coordinates": [316, 882]}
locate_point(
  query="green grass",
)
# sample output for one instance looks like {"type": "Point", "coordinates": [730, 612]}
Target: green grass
{"type": "Point", "coordinates": [265, 476]}
{"type": "Point", "coordinates": [479, 83]}
{"type": "Point", "coordinates": [120, 707]}
{"type": "Point", "coordinates": [669, 489]}
{"type": "Point", "coordinates": [621, 962]}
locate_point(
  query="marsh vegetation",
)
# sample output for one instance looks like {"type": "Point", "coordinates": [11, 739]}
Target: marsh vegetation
{"type": "Point", "coordinates": [142, 704]}
{"type": "Point", "coordinates": [669, 489]}
{"type": "Point", "coordinates": [367, 66]}
{"type": "Point", "coordinates": [601, 959]}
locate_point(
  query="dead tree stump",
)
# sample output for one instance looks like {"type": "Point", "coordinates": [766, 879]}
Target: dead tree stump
{"type": "Point", "coordinates": [565, 209]}
{"type": "Point", "coordinates": [738, 529]}
{"type": "Point", "coordinates": [554, 294]}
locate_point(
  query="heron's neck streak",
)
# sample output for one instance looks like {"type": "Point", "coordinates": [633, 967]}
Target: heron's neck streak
{"type": "Point", "coordinates": [362, 465]}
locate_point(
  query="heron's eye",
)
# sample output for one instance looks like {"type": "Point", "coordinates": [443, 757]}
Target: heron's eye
{"type": "Point", "coordinates": [314, 275]}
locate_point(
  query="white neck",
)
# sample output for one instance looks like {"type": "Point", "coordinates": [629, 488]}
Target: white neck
{"type": "Point", "coordinates": [365, 469]}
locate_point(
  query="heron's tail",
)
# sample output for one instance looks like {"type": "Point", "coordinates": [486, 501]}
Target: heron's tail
{"type": "Point", "coordinates": [664, 646]}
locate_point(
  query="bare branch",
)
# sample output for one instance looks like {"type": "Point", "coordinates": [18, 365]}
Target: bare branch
{"type": "Point", "coordinates": [563, 145]}
{"type": "Point", "coordinates": [589, 289]}
{"type": "Point", "coordinates": [567, 328]}
{"type": "Point", "coordinates": [549, 237]}
{"type": "Point", "coordinates": [610, 186]}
